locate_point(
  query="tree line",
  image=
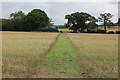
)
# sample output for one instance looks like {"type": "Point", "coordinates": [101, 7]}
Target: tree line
{"type": "Point", "coordinates": [33, 21]}
{"type": "Point", "coordinates": [80, 21]}
{"type": "Point", "coordinates": [37, 20]}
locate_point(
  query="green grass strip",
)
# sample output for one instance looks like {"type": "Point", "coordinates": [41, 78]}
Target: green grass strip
{"type": "Point", "coordinates": [62, 60]}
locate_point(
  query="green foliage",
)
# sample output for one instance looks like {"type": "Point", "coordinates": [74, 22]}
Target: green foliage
{"type": "Point", "coordinates": [91, 26]}
{"type": "Point", "coordinates": [7, 24]}
{"type": "Point", "coordinates": [0, 24]}
{"type": "Point", "coordinates": [95, 31]}
{"type": "Point", "coordinates": [17, 20]}
{"type": "Point", "coordinates": [105, 18]}
{"type": "Point", "coordinates": [61, 31]}
{"type": "Point", "coordinates": [50, 23]}
{"type": "Point", "coordinates": [110, 24]}
{"type": "Point", "coordinates": [34, 20]}
{"type": "Point", "coordinates": [66, 25]}
{"type": "Point", "coordinates": [118, 21]}
{"type": "Point", "coordinates": [100, 31]}
{"type": "Point", "coordinates": [78, 21]}
{"type": "Point", "coordinates": [48, 29]}
{"type": "Point", "coordinates": [117, 32]}
{"type": "Point", "coordinates": [17, 16]}
{"type": "Point", "coordinates": [37, 19]}
{"type": "Point", "coordinates": [111, 32]}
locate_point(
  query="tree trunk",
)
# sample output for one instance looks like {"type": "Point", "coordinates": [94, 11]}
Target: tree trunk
{"type": "Point", "coordinates": [81, 30]}
{"type": "Point", "coordinates": [74, 28]}
{"type": "Point", "coordinates": [105, 26]}
{"type": "Point", "coordinates": [88, 30]}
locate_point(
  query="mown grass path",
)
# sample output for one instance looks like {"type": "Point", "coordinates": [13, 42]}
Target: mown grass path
{"type": "Point", "coordinates": [61, 61]}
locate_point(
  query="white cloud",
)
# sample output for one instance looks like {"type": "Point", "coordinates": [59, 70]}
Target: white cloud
{"type": "Point", "coordinates": [0, 9]}
{"type": "Point", "coordinates": [119, 9]}
{"type": "Point", "coordinates": [59, 0]}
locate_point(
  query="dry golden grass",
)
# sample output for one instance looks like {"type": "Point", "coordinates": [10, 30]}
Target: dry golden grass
{"type": "Point", "coordinates": [22, 52]}
{"type": "Point", "coordinates": [98, 54]}
{"type": "Point", "coordinates": [0, 55]}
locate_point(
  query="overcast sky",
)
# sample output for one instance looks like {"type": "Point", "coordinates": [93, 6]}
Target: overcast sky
{"type": "Point", "coordinates": [57, 10]}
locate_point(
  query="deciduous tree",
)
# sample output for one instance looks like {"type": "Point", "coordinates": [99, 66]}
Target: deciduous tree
{"type": "Point", "coordinates": [78, 21]}
{"type": "Point", "coordinates": [17, 20]}
{"type": "Point", "coordinates": [105, 18]}
{"type": "Point", "coordinates": [37, 19]}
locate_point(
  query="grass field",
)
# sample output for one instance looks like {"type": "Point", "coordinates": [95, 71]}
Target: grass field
{"type": "Point", "coordinates": [22, 52]}
{"type": "Point", "coordinates": [113, 28]}
{"type": "Point", "coordinates": [97, 53]}
{"type": "Point", "coordinates": [66, 30]}
{"type": "Point", "coordinates": [32, 54]}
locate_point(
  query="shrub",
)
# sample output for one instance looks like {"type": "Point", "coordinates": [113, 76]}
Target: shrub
{"type": "Point", "coordinates": [117, 32]}
{"type": "Point", "coordinates": [52, 30]}
{"type": "Point", "coordinates": [72, 32]}
{"type": "Point", "coordinates": [90, 31]}
{"type": "Point", "coordinates": [48, 30]}
{"type": "Point", "coordinates": [101, 31]}
{"type": "Point", "coordinates": [61, 32]}
{"type": "Point", "coordinates": [111, 32]}
{"type": "Point", "coordinates": [96, 31]}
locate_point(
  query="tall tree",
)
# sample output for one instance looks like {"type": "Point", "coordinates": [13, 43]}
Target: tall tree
{"type": "Point", "coordinates": [17, 20]}
{"type": "Point", "coordinates": [37, 19]}
{"type": "Point", "coordinates": [7, 24]}
{"type": "Point", "coordinates": [105, 18]}
{"type": "Point", "coordinates": [118, 22]}
{"type": "Point", "coordinates": [17, 15]}
{"type": "Point", "coordinates": [91, 25]}
{"type": "Point", "coordinates": [51, 23]}
{"type": "Point", "coordinates": [77, 21]}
